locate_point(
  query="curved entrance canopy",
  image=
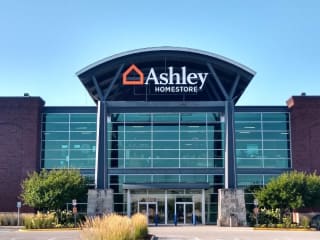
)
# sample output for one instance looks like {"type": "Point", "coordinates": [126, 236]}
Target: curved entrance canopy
{"type": "Point", "coordinates": [166, 74]}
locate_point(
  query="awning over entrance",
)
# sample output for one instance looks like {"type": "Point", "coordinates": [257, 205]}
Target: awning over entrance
{"type": "Point", "coordinates": [167, 186]}
{"type": "Point", "coordinates": [166, 74]}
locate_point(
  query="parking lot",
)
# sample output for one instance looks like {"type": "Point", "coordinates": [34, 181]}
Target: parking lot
{"type": "Point", "coordinates": [173, 233]}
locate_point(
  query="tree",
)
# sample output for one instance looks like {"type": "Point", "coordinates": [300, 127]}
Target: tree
{"type": "Point", "coordinates": [289, 191]}
{"type": "Point", "coordinates": [51, 190]}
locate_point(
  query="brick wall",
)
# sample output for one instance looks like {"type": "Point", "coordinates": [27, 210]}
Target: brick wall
{"type": "Point", "coordinates": [19, 146]}
{"type": "Point", "coordinates": [305, 132]}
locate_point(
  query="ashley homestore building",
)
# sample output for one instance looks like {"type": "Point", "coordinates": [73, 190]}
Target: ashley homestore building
{"type": "Point", "coordinates": [165, 134]}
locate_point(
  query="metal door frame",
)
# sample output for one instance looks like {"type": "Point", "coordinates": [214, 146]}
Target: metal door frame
{"type": "Point", "coordinates": [184, 210]}
{"type": "Point", "coordinates": [147, 207]}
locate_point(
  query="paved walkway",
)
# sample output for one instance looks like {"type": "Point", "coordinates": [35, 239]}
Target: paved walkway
{"type": "Point", "coordinates": [226, 233]}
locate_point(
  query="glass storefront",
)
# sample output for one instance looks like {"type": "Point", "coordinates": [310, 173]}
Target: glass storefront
{"type": "Point", "coordinates": [166, 140]}
{"type": "Point", "coordinates": [69, 141]}
{"type": "Point", "coordinates": [262, 140]}
{"type": "Point", "coordinates": [173, 142]}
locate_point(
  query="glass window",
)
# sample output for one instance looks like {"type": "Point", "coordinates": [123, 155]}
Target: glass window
{"type": "Point", "coordinates": [248, 135]}
{"type": "Point", "coordinates": [138, 128]}
{"type": "Point", "coordinates": [247, 126]}
{"type": "Point", "coordinates": [277, 163]}
{"type": "Point", "coordinates": [249, 162]}
{"type": "Point", "coordinates": [193, 117]}
{"type": "Point", "coordinates": [137, 135]}
{"type": "Point", "coordinates": [165, 145]}
{"type": "Point", "coordinates": [251, 152]}
{"type": "Point", "coordinates": [278, 126]}
{"type": "Point", "coordinates": [82, 135]}
{"type": "Point", "coordinates": [55, 154]}
{"type": "Point", "coordinates": [165, 178]}
{"type": "Point", "coordinates": [249, 179]}
{"type": "Point", "coordinates": [249, 144]}
{"type": "Point", "coordinates": [55, 117]}
{"type": "Point", "coordinates": [138, 163]}
{"type": "Point", "coordinates": [247, 116]}
{"type": "Point", "coordinates": [137, 145]}
{"type": "Point", "coordinates": [193, 135]}
{"type": "Point", "coordinates": [48, 145]}
{"type": "Point", "coordinates": [276, 145]}
{"type": "Point", "coordinates": [166, 117]}
{"type": "Point", "coordinates": [55, 126]}
{"type": "Point", "coordinates": [276, 135]}
{"type": "Point", "coordinates": [193, 154]}
{"type": "Point", "coordinates": [137, 179]}
{"type": "Point", "coordinates": [193, 178]}
{"type": "Point", "coordinates": [166, 135]}
{"type": "Point", "coordinates": [166, 163]}
{"type": "Point", "coordinates": [83, 145]}
{"type": "Point", "coordinates": [275, 153]}
{"type": "Point", "coordinates": [82, 164]}
{"type": "Point", "coordinates": [133, 153]}
{"type": "Point", "coordinates": [53, 164]}
{"type": "Point", "coordinates": [81, 154]}
{"type": "Point", "coordinates": [275, 116]}
{"type": "Point", "coordinates": [55, 135]}
{"type": "Point", "coordinates": [83, 126]}
{"type": "Point", "coordinates": [194, 162]}
{"type": "Point", "coordinates": [79, 117]}
{"type": "Point", "coordinates": [166, 153]}
{"type": "Point", "coordinates": [193, 144]}
{"type": "Point", "coordinates": [138, 117]}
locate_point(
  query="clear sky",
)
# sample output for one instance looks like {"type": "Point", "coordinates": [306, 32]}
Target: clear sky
{"type": "Point", "coordinates": [43, 43]}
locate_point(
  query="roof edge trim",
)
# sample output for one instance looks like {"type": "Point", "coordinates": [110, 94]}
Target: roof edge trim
{"type": "Point", "coordinates": [165, 48]}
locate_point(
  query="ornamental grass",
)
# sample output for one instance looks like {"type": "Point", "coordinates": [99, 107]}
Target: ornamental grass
{"type": "Point", "coordinates": [115, 227]}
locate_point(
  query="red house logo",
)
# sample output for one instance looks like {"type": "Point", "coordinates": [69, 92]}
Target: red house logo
{"type": "Point", "coordinates": [133, 69]}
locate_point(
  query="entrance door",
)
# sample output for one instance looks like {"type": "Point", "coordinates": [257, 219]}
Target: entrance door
{"type": "Point", "coordinates": [184, 212]}
{"type": "Point", "coordinates": [150, 209]}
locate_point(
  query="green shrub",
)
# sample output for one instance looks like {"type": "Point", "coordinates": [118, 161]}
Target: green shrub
{"type": "Point", "coordinates": [305, 222]}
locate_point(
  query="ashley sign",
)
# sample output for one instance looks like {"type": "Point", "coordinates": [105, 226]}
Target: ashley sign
{"type": "Point", "coordinates": [175, 80]}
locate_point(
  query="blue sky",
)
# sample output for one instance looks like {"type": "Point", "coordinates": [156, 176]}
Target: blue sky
{"type": "Point", "coordinates": [44, 43]}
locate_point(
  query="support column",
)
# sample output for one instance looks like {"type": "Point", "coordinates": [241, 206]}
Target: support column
{"type": "Point", "coordinates": [101, 166]}
{"type": "Point", "coordinates": [229, 162]}
{"type": "Point", "coordinates": [100, 199]}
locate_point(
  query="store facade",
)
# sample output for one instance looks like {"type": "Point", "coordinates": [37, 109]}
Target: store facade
{"type": "Point", "coordinates": [165, 134]}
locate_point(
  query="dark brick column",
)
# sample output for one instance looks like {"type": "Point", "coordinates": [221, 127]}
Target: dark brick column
{"type": "Point", "coordinates": [305, 132]}
{"type": "Point", "coordinates": [19, 146]}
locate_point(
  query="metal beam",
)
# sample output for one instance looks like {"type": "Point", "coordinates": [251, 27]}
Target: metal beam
{"type": "Point", "coordinates": [113, 82]}
{"type": "Point", "coordinates": [217, 79]}
{"type": "Point", "coordinates": [214, 91]}
{"type": "Point", "coordinates": [95, 82]}
{"type": "Point", "coordinates": [235, 84]}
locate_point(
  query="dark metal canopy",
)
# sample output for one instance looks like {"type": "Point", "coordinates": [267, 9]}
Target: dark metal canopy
{"type": "Point", "coordinates": [226, 79]}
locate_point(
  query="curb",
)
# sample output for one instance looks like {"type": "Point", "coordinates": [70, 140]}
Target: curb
{"type": "Point", "coordinates": [285, 229]}
{"type": "Point", "coordinates": [49, 229]}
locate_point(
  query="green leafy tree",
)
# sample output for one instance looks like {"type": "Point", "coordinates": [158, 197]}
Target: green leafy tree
{"type": "Point", "coordinates": [289, 191]}
{"type": "Point", "coordinates": [51, 190]}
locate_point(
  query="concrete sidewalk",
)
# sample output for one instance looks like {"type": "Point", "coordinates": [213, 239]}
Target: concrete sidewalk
{"type": "Point", "coordinates": [227, 233]}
